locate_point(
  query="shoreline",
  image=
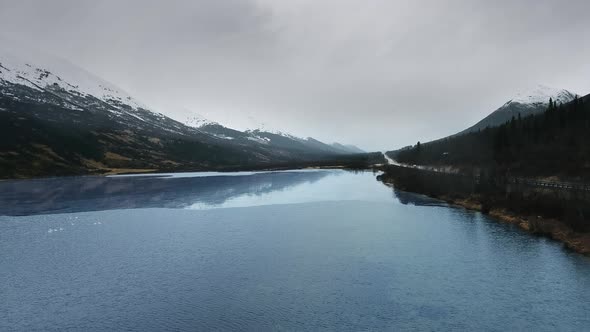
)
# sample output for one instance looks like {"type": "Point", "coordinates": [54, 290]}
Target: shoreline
{"type": "Point", "coordinates": [358, 161]}
{"type": "Point", "coordinates": [120, 171]}
{"type": "Point", "coordinates": [535, 225]}
{"type": "Point", "coordinates": [548, 227]}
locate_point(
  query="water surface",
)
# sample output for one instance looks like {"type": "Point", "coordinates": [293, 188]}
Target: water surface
{"type": "Point", "coordinates": [305, 250]}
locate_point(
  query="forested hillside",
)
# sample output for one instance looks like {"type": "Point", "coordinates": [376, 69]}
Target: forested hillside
{"type": "Point", "coordinates": [554, 143]}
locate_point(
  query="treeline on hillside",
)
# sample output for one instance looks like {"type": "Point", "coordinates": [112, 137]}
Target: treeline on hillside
{"type": "Point", "coordinates": [555, 142]}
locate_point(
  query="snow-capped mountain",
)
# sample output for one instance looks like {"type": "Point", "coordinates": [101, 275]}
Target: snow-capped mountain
{"type": "Point", "coordinates": [57, 119]}
{"type": "Point", "coordinates": [262, 131]}
{"type": "Point", "coordinates": [32, 77]}
{"type": "Point", "coordinates": [541, 95]}
{"type": "Point", "coordinates": [41, 71]}
{"type": "Point", "coordinates": [533, 101]}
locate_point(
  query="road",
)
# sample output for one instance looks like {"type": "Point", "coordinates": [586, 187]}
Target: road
{"type": "Point", "coordinates": [389, 160]}
{"type": "Point", "coordinates": [514, 180]}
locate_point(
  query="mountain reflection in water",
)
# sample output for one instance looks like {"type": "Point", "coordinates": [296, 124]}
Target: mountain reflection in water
{"type": "Point", "coordinates": [79, 194]}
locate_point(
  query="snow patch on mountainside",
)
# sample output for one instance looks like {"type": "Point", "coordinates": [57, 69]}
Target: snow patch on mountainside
{"type": "Point", "coordinates": [541, 95]}
{"type": "Point", "coordinates": [256, 138]}
{"type": "Point", "coordinates": [257, 131]}
{"type": "Point", "coordinates": [253, 125]}
{"type": "Point", "coordinates": [524, 104]}
{"type": "Point", "coordinates": [197, 120]}
{"type": "Point", "coordinates": [31, 68]}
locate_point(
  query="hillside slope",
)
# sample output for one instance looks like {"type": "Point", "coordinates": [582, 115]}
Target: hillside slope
{"type": "Point", "coordinates": [552, 143]}
{"type": "Point", "coordinates": [57, 119]}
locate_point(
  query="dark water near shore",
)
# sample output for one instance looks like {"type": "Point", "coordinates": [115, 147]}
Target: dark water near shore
{"type": "Point", "coordinates": [307, 250]}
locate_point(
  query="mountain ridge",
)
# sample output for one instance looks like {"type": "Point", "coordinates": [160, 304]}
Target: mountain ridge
{"type": "Point", "coordinates": [267, 136]}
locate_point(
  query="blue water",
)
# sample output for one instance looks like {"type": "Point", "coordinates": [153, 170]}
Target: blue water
{"type": "Point", "coordinates": [308, 250]}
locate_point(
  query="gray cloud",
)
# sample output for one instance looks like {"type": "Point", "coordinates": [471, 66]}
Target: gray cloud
{"type": "Point", "coordinates": [380, 74]}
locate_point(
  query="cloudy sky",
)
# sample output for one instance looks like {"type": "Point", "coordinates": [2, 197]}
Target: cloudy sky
{"type": "Point", "coordinates": [379, 74]}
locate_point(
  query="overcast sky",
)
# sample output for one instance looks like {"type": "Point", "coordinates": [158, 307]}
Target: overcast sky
{"type": "Point", "coordinates": [379, 74]}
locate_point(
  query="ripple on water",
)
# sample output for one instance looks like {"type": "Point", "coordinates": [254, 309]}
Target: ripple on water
{"type": "Point", "coordinates": [336, 251]}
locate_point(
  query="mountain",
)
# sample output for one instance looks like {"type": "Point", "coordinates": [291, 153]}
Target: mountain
{"type": "Point", "coordinates": [525, 104]}
{"type": "Point", "coordinates": [348, 148]}
{"type": "Point", "coordinates": [58, 119]}
{"type": "Point", "coordinates": [548, 144]}
{"type": "Point", "coordinates": [269, 137]}
{"type": "Point", "coordinates": [532, 102]}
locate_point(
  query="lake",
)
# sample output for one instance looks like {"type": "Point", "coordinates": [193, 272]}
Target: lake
{"type": "Point", "coordinates": [292, 250]}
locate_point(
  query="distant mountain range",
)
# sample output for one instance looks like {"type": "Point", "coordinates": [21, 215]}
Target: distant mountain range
{"type": "Point", "coordinates": [57, 119]}
{"type": "Point", "coordinates": [264, 135]}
